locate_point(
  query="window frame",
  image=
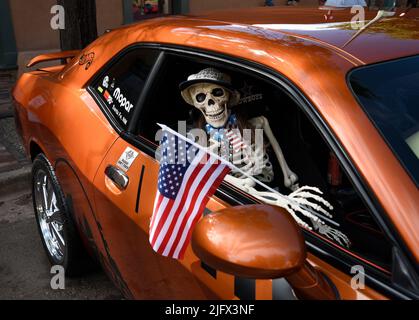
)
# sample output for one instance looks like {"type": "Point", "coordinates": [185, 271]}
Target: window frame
{"type": "Point", "coordinates": [375, 278]}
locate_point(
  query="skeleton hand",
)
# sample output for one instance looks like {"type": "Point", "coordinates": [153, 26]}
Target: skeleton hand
{"type": "Point", "coordinates": [301, 202]}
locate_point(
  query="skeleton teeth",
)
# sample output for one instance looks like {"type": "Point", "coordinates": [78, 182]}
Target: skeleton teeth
{"type": "Point", "coordinates": [216, 116]}
{"type": "Point", "coordinates": [213, 118]}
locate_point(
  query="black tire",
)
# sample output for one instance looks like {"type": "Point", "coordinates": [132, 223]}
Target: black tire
{"type": "Point", "coordinates": [75, 258]}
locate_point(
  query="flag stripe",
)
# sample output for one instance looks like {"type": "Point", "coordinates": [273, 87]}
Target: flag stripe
{"type": "Point", "coordinates": [200, 172]}
{"type": "Point", "coordinates": [183, 243]}
{"type": "Point", "coordinates": [190, 205]}
{"type": "Point", "coordinates": [182, 248]}
{"type": "Point", "coordinates": [202, 208]}
{"type": "Point", "coordinates": [157, 203]}
{"type": "Point", "coordinates": [161, 211]}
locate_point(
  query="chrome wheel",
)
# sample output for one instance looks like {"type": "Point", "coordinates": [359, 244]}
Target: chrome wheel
{"type": "Point", "coordinates": [49, 215]}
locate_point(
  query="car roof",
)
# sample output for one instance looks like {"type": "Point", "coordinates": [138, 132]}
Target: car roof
{"type": "Point", "coordinates": [390, 38]}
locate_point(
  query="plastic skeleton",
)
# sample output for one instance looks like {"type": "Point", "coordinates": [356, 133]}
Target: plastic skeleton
{"type": "Point", "coordinates": [211, 93]}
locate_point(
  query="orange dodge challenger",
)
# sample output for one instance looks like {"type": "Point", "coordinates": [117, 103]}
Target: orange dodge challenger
{"type": "Point", "coordinates": [342, 104]}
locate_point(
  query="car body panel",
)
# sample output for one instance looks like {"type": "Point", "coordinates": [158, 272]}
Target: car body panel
{"type": "Point", "coordinates": [56, 112]}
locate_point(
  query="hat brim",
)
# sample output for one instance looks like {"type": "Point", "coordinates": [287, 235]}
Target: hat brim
{"type": "Point", "coordinates": [186, 84]}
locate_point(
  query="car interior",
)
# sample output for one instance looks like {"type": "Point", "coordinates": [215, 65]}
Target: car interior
{"type": "Point", "coordinates": [305, 150]}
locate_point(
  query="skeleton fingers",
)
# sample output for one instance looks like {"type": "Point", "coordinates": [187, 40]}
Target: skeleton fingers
{"type": "Point", "coordinates": [331, 233]}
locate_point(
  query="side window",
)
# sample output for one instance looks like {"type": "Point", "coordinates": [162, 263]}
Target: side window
{"type": "Point", "coordinates": [350, 226]}
{"type": "Point", "coordinates": [119, 86]}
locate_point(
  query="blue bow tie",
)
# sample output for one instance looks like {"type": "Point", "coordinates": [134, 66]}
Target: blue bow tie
{"type": "Point", "coordinates": [218, 133]}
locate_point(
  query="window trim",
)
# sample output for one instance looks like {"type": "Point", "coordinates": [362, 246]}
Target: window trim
{"type": "Point", "coordinates": [317, 246]}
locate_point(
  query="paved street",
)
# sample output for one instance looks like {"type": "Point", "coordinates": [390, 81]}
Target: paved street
{"type": "Point", "coordinates": [24, 268]}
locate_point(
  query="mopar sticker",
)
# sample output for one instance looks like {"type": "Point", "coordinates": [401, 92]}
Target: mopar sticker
{"type": "Point", "coordinates": [122, 100]}
{"type": "Point", "coordinates": [127, 159]}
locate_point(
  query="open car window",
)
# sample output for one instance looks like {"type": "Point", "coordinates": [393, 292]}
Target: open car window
{"type": "Point", "coordinates": [350, 226]}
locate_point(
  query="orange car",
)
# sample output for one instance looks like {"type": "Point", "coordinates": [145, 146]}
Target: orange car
{"type": "Point", "coordinates": [341, 102]}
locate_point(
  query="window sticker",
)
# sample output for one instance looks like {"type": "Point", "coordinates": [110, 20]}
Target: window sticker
{"type": "Point", "coordinates": [108, 97]}
{"type": "Point", "coordinates": [123, 102]}
{"type": "Point", "coordinates": [105, 82]}
{"type": "Point", "coordinates": [117, 100]}
{"type": "Point", "coordinates": [127, 159]}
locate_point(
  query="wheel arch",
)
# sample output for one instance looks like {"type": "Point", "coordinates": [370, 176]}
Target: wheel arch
{"type": "Point", "coordinates": [35, 149]}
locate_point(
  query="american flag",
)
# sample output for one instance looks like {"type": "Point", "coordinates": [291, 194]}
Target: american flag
{"type": "Point", "coordinates": [187, 179]}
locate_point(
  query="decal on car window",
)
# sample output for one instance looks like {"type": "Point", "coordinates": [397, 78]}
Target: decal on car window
{"type": "Point", "coordinates": [105, 82]}
{"type": "Point", "coordinates": [122, 100]}
{"type": "Point", "coordinates": [108, 97]}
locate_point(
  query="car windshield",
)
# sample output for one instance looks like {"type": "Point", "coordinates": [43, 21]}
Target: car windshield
{"type": "Point", "coordinates": [389, 94]}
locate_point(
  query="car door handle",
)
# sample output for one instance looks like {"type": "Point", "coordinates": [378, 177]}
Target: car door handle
{"type": "Point", "coordinates": [118, 177]}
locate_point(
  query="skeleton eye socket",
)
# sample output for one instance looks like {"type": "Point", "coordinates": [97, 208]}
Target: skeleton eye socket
{"type": "Point", "coordinates": [200, 97]}
{"type": "Point", "coordinates": [218, 92]}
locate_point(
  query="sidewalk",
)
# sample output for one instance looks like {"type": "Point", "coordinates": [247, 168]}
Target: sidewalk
{"type": "Point", "coordinates": [14, 166]}
{"type": "Point", "coordinates": [7, 80]}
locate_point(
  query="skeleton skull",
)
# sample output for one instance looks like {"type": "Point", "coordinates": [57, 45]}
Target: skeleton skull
{"type": "Point", "coordinates": [211, 92]}
{"type": "Point", "coordinates": [212, 100]}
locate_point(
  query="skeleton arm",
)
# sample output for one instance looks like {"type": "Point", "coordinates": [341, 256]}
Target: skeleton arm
{"type": "Point", "coordinates": [290, 178]}
{"type": "Point", "coordinates": [303, 201]}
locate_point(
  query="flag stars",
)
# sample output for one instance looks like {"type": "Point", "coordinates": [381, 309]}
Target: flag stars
{"type": "Point", "coordinates": [177, 156]}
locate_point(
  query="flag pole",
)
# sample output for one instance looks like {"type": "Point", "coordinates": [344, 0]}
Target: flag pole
{"type": "Point", "coordinates": [232, 167]}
